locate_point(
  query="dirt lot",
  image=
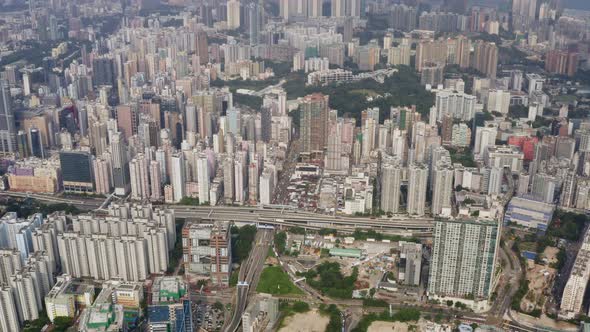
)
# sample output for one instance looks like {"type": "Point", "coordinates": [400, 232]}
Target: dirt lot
{"type": "Point", "coordinates": [388, 326]}
{"type": "Point", "coordinates": [310, 321]}
{"type": "Point", "coordinates": [550, 254]}
{"type": "Point", "coordinates": [422, 325]}
{"type": "Point", "coordinates": [540, 279]}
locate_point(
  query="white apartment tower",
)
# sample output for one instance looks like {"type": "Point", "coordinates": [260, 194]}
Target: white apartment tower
{"type": "Point", "coordinates": [8, 310]}
{"type": "Point", "coordinates": [155, 181]}
{"type": "Point", "coordinates": [463, 258]}
{"type": "Point", "coordinates": [418, 178]}
{"type": "Point", "coordinates": [178, 176]}
{"type": "Point", "coordinates": [139, 176]}
{"type": "Point", "coordinates": [442, 189]}
{"type": "Point", "coordinates": [391, 172]}
{"type": "Point", "coordinates": [204, 178]}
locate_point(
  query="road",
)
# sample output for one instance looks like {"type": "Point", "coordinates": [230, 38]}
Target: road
{"type": "Point", "coordinates": [281, 192]}
{"type": "Point", "coordinates": [508, 284]}
{"type": "Point", "coordinates": [402, 225]}
{"type": "Point", "coordinates": [268, 89]}
{"type": "Point", "coordinates": [83, 203]}
{"type": "Point", "coordinates": [248, 278]}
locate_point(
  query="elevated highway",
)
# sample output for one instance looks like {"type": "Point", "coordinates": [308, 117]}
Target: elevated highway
{"type": "Point", "coordinates": [267, 215]}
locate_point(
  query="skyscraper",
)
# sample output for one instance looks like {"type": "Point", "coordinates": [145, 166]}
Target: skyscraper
{"type": "Point", "coordinates": [253, 184]}
{"type": "Point", "coordinates": [233, 14]}
{"type": "Point", "coordinates": [8, 310]}
{"type": "Point", "coordinates": [120, 164]}
{"type": "Point", "coordinates": [228, 180]}
{"type": "Point", "coordinates": [155, 180]}
{"type": "Point", "coordinates": [254, 16]}
{"type": "Point", "coordinates": [77, 172]}
{"type": "Point", "coordinates": [203, 174]}
{"type": "Point", "coordinates": [178, 176]}
{"type": "Point", "coordinates": [418, 177]}
{"type": "Point", "coordinates": [102, 175]}
{"type": "Point", "coordinates": [103, 71]}
{"type": "Point", "coordinates": [26, 295]}
{"type": "Point", "coordinates": [573, 293]}
{"type": "Point", "coordinates": [484, 137]}
{"type": "Point", "coordinates": [7, 125]}
{"type": "Point", "coordinates": [139, 177]}
{"type": "Point", "coordinates": [266, 123]}
{"type": "Point", "coordinates": [390, 184]}
{"type": "Point", "coordinates": [314, 122]}
{"type": "Point", "coordinates": [485, 58]}
{"type": "Point", "coordinates": [442, 188]}
{"type": "Point", "coordinates": [463, 258]}
{"type": "Point", "coordinates": [338, 8]}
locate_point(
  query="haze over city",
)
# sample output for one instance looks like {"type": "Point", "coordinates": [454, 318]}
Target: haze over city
{"type": "Point", "coordinates": [294, 165]}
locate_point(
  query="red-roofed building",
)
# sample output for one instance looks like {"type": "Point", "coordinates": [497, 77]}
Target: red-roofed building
{"type": "Point", "coordinates": [526, 144]}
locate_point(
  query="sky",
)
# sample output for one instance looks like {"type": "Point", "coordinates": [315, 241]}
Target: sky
{"type": "Point", "coordinates": [577, 4]}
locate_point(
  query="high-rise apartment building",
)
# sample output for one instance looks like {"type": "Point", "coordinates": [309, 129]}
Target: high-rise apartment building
{"type": "Point", "coordinates": [561, 62]}
{"type": "Point", "coordinates": [498, 101]}
{"type": "Point", "coordinates": [484, 137]}
{"type": "Point", "coordinates": [139, 177]}
{"type": "Point", "coordinates": [233, 14]}
{"type": "Point", "coordinates": [178, 176]}
{"type": "Point", "coordinates": [463, 258]}
{"type": "Point", "coordinates": [575, 288]}
{"type": "Point", "coordinates": [391, 172]}
{"type": "Point", "coordinates": [10, 261]}
{"type": "Point", "coordinates": [442, 188]}
{"type": "Point", "coordinates": [102, 175]}
{"type": "Point", "coordinates": [155, 180]}
{"type": "Point", "coordinates": [204, 178]}
{"type": "Point", "coordinates": [418, 178]}
{"type": "Point", "coordinates": [485, 58]}
{"type": "Point", "coordinates": [314, 122]}
{"type": "Point", "coordinates": [8, 310]}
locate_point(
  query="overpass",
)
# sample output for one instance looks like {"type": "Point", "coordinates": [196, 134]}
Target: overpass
{"type": "Point", "coordinates": [267, 215]}
{"type": "Point", "coordinates": [401, 225]}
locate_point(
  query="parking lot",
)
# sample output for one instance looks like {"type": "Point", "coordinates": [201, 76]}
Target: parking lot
{"type": "Point", "coordinates": [207, 317]}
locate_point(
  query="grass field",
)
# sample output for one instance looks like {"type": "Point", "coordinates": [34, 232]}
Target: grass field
{"type": "Point", "coordinates": [274, 280]}
{"type": "Point", "coordinates": [566, 98]}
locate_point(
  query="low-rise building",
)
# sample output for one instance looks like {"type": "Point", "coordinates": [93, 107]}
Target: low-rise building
{"type": "Point", "coordinates": [504, 156]}
{"type": "Point", "coordinates": [529, 212]}
{"type": "Point", "coordinates": [170, 307]}
{"type": "Point", "coordinates": [261, 314]}
{"type": "Point", "coordinates": [347, 252]}
{"type": "Point", "coordinates": [67, 297]}
{"type": "Point", "coordinates": [103, 317]}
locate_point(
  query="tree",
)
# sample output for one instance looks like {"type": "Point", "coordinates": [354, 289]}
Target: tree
{"type": "Point", "coordinates": [243, 241]}
{"type": "Point", "coordinates": [300, 306]}
{"type": "Point", "coordinates": [201, 283]}
{"type": "Point", "coordinates": [280, 241]}
{"type": "Point", "coordinates": [61, 324]}
{"type": "Point", "coordinates": [218, 306]}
